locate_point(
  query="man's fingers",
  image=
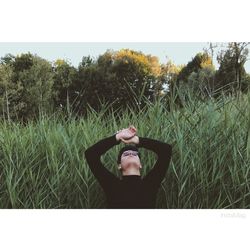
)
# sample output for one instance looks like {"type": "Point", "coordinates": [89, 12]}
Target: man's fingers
{"type": "Point", "coordinates": [126, 141]}
{"type": "Point", "coordinates": [130, 137]}
{"type": "Point", "coordinates": [133, 128]}
{"type": "Point", "coordinates": [123, 140]}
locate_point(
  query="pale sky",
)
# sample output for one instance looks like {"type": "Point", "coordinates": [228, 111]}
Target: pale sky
{"type": "Point", "coordinates": [179, 52]}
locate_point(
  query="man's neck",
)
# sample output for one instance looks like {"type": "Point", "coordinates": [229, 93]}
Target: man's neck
{"type": "Point", "coordinates": [131, 171]}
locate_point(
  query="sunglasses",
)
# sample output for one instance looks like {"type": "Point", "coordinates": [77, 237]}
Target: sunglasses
{"type": "Point", "coordinates": [127, 153]}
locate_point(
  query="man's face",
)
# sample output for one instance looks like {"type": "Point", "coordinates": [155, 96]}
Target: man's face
{"type": "Point", "coordinates": [130, 158]}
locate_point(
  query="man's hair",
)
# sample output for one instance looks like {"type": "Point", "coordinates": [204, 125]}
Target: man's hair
{"type": "Point", "coordinates": [126, 148]}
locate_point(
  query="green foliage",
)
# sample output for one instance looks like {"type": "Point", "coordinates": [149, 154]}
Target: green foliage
{"type": "Point", "coordinates": [11, 103]}
{"type": "Point", "coordinates": [136, 74]}
{"type": "Point", "coordinates": [245, 83]}
{"type": "Point", "coordinates": [231, 71]}
{"type": "Point", "coordinates": [37, 82]}
{"type": "Point", "coordinates": [202, 81]}
{"type": "Point", "coordinates": [119, 78]}
{"type": "Point", "coordinates": [200, 61]}
{"type": "Point", "coordinates": [30, 85]}
{"type": "Point", "coordinates": [23, 62]}
{"type": "Point", "coordinates": [63, 80]}
{"type": "Point", "coordinates": [7, 59]}
{"type": "Point", "coordinates": [42, 164]}
{"type": "Point", "coordinates": [25, 87]}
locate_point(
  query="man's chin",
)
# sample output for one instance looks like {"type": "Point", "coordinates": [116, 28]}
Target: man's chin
{"type": "Point", "coordinates": [132, 164]}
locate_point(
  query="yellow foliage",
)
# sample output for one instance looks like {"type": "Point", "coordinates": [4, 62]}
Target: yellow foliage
{"type": "Point", "coordinates": [59, 62]}
{"type": "Point", "coordinates": [171, 68]}
{"type": "Point", "coordinates": [207, 63]}
{"type": "Point", "coordinates": [147, 62]}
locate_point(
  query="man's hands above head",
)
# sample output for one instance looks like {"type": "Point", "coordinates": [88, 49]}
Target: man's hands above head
{"type": "Point", "coordinates": [128, 135]}
{"type": "Point", "coordinates": [134, 140]}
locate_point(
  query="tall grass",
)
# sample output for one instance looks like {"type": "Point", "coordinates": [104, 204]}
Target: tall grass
{"type": "Point", "coordinates": [42, 164]}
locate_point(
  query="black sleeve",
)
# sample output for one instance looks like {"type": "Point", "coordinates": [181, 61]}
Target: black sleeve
{"type": "Point", "coordinates": [93, 157]}
{"type": "Point", "coordinates": [164, 152]}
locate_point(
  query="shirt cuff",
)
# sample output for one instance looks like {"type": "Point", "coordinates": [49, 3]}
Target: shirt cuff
{"type": "Point", "coordinates": [114, 139]}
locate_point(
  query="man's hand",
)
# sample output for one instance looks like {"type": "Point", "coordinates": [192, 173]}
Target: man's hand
{"type": "Point", "coordinates": [134, 140]}
{"type": "Point", "coordinates": [126, 133]}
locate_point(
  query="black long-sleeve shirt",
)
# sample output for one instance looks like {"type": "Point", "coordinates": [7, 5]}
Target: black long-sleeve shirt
{"type": "Point", "coordinates": [132, 191]}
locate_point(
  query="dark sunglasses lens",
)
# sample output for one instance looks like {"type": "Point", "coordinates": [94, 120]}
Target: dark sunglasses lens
{"type": "Point", "coordinates": [132, 153]}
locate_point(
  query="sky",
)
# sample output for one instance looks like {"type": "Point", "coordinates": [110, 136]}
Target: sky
{"type": "Point", "coordinates": [178, 52]}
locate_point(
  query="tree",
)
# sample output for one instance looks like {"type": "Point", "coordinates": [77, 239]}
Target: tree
{"type": "Point", "coordinates": [8, 59]}
{"type": "Point", "coordinates": [10, 94]}
{"type": "Point", "coordinates": [37, 84]}
{"type": "Point", "coordinates": [63, 78]}
{"type": "Point", "coordinates": [136, 75]}
{"type": "Point", "coordinates": [189, 77]}
{"type": "Point", "coordinates": [231, 70]}
{"type": "Point", "coordinates": [25, 86]}
{"type": "Point", "coordinates": [121, 78]}
{"type": "Point", "coordinates": [201, 82]}
{"type": "Point", "coordinates": [200, 61]}
{"type": "Point", "coordinates": [169, 75]}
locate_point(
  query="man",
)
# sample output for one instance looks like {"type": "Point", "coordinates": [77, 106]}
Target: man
{"type": "Point", "coordinates": [131, 191]}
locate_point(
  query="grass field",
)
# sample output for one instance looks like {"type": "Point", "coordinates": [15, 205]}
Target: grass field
{"type": "Point", "coordinates": [42, 164]}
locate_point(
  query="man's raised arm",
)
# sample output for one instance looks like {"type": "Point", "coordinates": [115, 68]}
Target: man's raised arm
{"type": "Point", "coordinates": [164, 152]}
{"type": "Point", "coordinates": [93, 157]}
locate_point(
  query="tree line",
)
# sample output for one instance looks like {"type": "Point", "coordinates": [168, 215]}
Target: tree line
{"type": "Point", "coordinates": [31, 85]}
